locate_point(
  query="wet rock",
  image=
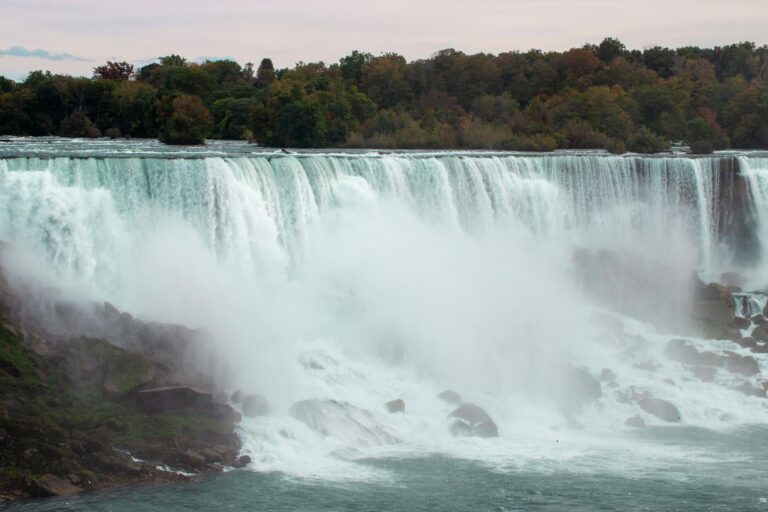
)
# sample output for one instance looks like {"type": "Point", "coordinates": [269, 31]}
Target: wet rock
{"type": "Point", "coordinates": [758, 320]}
{"type": "Point", "coordinates": [662, 409]}
{"type": "Point", "coordinates": [242, 461]}
{"type": "Point", "coordinates": [635, 422]}
{"type": "Point", "coordinates": [396, 405]}
{"type": "Point", "coordinates": [210, 455]}
{"type": "Point", "coordinates": [743, 365]}
{"type": "Point", "coordinates": [751, 389]}
{"type": "Point", "coordinates": [607, 375]}
{"type": "Point", "coordinates": [50, 485]}
{"type": "Point", "coordinates": [471, 420]}
{"type": "Point", "coordinates": [704, 373]}
{"type": "Point", "coordinates": [220, 453]}
{"type": "Point", "coordinates": [236, 397]}
{"type": "Point", "coordinates": [741, 322]}
{"type": "Point", "coordinates": [450, 396]}
{"type": "Point", "coordinates": [194, 459]}
{"type": "Point", "coordinates": [172, 398]}
{"type": "Point", "coordinates": [335, 418]}
{"type": "Point", "coordinates": [254, 406]}
{"type": "Point", "coordinates": [682, 351]}
{"type": "Point", "coordinates": [761, 332]}
{"type": "Point", "coordinates": [647, 366]}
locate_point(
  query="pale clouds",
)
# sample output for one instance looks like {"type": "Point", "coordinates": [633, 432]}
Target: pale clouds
{"type": "Point", "coordinates": [309, 30]}
{"type": "Point", "coordinates": [20, 51]}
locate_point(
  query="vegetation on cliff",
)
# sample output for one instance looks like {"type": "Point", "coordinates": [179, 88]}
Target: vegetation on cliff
{"type": "Point", "coordinates": [73, 414]}
{"type": "Point", "coordinates": [598, 96]}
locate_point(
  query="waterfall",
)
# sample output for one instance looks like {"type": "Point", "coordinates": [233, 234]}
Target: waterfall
{"type": "Point", "coordinates": [262, 211]}
{"type": "Point", "coordinates": [364, 277]}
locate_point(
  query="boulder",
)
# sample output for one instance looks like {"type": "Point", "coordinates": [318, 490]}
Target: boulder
{"type": "Point", "coordinates": [396, 405]}
{"type": "Point", "coordinates": [255, 405]}
{"type": "Point", "coordinates": [704, 373]}
{"type": "Point", "coordinates": [744, 365]}
{"type": "Point", "coordinates": [742, 323]}
{"type": "Point", "coordinates": [211, 455]}
{"type": "Point", "coordinates": [761, 332]}
{"type": "Point", "coordinates": [471, 420]}
{"type": "Point", "coordinates": [236, 397]}
{"type": "Point", "coordinates": [358, 427]}
{"type": "Point", "coordinates": [748, 388]}
{"type": "Point", "coordinates": [450, 396]}
{"type": "Point", "coordinates": [194, 459]}
{"type": "Point", "coordinates": [758, 320]}
{"type": "Point", "coordinates": [662, 409]}
{"type": "Point", "coordinates": [607, 375]}
{"type": "Point", "coordinates": [242, 461]}
{"type": "Point", "coordinates": [635, 422]}
{"type": "Point", "coordinates": [50, 485]}
{"type": "Point", "coordinates": [682, 351]}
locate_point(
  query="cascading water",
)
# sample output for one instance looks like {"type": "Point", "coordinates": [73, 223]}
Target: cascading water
{"type": "Point", "coordinates": [263, 210]}
{"type": "Point", "coordinates": [364, 277]}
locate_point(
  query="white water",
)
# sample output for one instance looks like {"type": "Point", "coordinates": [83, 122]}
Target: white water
{"type": "Point", "coordinates": [365, 278]}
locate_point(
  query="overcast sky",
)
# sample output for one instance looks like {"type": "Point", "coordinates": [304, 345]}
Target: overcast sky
{"type": "Point", "coordinates": [73, 36]}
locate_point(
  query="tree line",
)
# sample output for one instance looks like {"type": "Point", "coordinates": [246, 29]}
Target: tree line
{"type": "Point", "coordinates": [601, 96]}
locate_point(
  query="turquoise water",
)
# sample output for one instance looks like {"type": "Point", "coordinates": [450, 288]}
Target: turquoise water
{"type": "Point", "coordinates": [735, 479]}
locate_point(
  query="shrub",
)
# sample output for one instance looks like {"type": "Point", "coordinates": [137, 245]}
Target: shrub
{"type": "Point", "coordinates": [645, 141]}
{"type": "Point", "coordinates": [702, 147]}
{"type": "Point", "coordinates": [78, 125]}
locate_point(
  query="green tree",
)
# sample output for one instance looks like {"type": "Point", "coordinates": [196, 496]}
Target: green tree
{"type": "Point", "coordinates": [265, 75]}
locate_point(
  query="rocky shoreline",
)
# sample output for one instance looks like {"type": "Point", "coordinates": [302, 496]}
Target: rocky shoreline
{"type": "Point", "coordinates": [85, 413]}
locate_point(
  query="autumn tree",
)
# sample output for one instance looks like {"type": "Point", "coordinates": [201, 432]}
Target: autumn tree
{"type": "Point", "coordinates": [118, 71]}
{"type": "Point", "coordinates": [188, 123]}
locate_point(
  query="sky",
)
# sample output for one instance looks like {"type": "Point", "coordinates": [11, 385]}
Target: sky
{"type": "Point", "coordinates": [74, 36]}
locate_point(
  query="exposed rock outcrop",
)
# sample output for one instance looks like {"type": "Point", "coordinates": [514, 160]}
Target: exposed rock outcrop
{"type": "Point", "coordinates": [75, 408]}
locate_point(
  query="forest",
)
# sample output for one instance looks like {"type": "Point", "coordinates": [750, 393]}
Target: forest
{"type": "Point", "coordinates": [602, 96]}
